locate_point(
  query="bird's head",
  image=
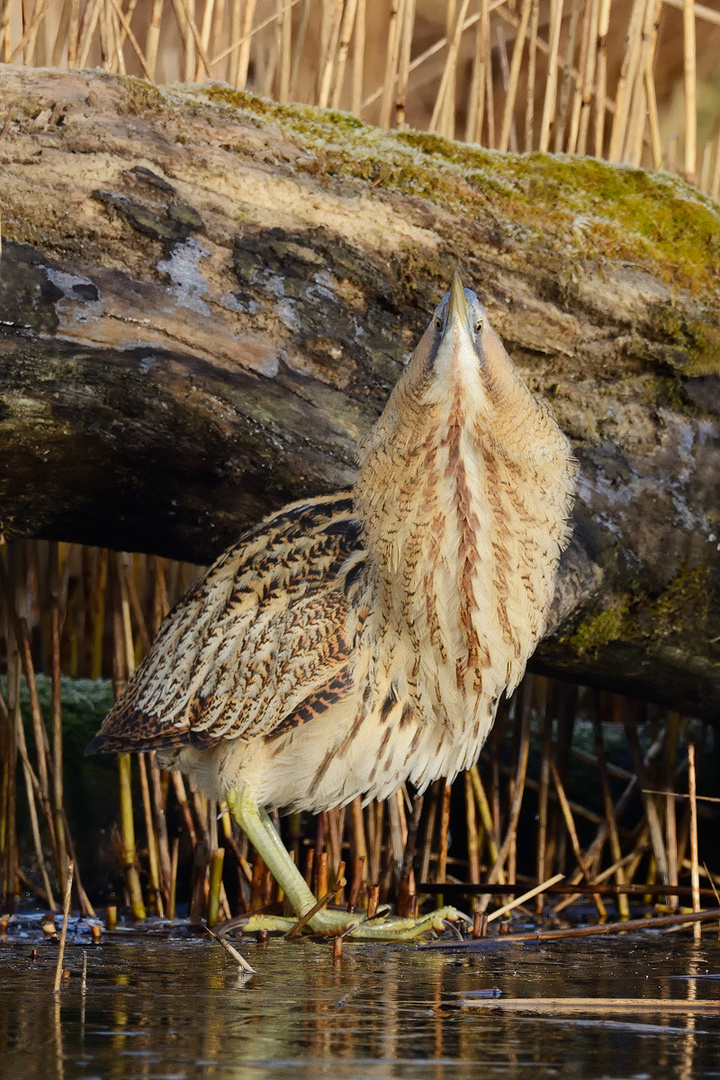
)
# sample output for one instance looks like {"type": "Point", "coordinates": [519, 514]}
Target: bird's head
{"type": "Point", "coordinates": [460, 418]}
{"type": "Point", "coordinates": [460, 374]}
{"type": "Point", "coordinates": [454, 352]}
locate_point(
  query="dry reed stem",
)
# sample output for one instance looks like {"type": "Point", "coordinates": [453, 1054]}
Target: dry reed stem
{"type": "Point", "coordinates": [357, 883]}
{"type": "Point", "coordinates": [205, 29]}
{"type": "Point", "coordinates": [90, 19]}
{"type": "Point", "coordinates": [153, 865]}
{"type": "Point", "coordinates": [476, 93]}
{"type": "Point", "coordinates": [181, 796]}
{"type": "Point", "coordinates": [443, 115]}
{"type": "Point", "coordinates": [569, 73]}
{"type": "Point", "coordinates": [690, 79]}
{"type": "Point", "coordinates": [173, 877]}
{"type": "Point", "coordinates": [663, 922]}
{"type": "Point", "coordinates": [29, 33]}
{"type": "Point", "coordinates": [433, 49]}
{"type": "Point", "coordinates": [391, 64]}
{"type": "Point", "coordinates": [322, 902]}
{"type": "Point", "coordinates": [217, 858]}
{"type": "Point", "coordinates": [601, 87]}
{"type": "Point", "coordinates": [651, 810]}
{"type": "Point", "coordinates": [128, 837]}
{"type": "Point", "coordinates": [514, 76]}
{"type": "Point", "coordinates": [431, 800]}
{"type": "Point", "coordinates": [339, 897]}
{"type": "Point", "coordinates": [572, 832]}
{"type": "Point", "coordinates": [31, 787]}
{"type": "Point", "coordinates": [56, 710]}
{"type": "Point", "coordinates": [359, 836]}
{"type": "Point", "coordinates": [505, 78]}
{"type": "Point", "coordinates": [159, 791]}
{"type": "Point", "coordinates": [715, 184]}
{"type": "Point", "coordinates": [346, 32]}
{"type": "Point", "coordinates": [512, 904]}
{"type": "Point", "coordinates": [632, 146]}
{"type": "Point", "coordinates": [549, 102]}
{"type": "Point", "coordinates": [63, 932]}
{"type": "Point", "coordinates": [401, 86]}
{"type": "Point", "coordinates": [441, 871]}
{"type": "Point", "coordinates": [152, 38]}
{"type": "Point", "coordinates": [542, 860]}
{"type": "Point", "coordinates": [331, 55]}
{"type": "Point", "coordinates": [613, 834]}
{"type": "Point", "coordinates": [633, 45]}
{"type": "Point", "coordinates": [321, 874]}
{"type": "Point", "coordinates": [694, 861]}
{"type": "Point", "coordinates": [472, 831]}
{"type": "Point", "coordinates": [133, 40]}
{"type": "Point", "coordinates": [608, 872]}
{"type": "Point", "coordinates": [518, 789]}
{"type": "Point", "coordinates": [582, 100]}
{"type": "Point", "coordinates": [190, 24]}
{"type": "Point", "coordinates": [486, 818]}
{"type": "Point", "coordinates": [356, 97]}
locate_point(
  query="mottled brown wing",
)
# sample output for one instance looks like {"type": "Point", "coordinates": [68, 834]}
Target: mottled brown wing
{"type": "Point", "coordinates": [261, 635]}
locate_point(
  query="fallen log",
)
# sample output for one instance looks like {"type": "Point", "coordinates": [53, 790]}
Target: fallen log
{"type": "Point", "coordinates": [205, 299]}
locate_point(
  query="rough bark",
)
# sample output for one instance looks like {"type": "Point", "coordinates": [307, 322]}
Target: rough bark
{"type": "Point", "coordinates": [205, 299]}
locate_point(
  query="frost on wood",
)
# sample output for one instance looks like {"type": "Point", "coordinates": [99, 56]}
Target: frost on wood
{"type": "Point", "coordinates": [205, 299]}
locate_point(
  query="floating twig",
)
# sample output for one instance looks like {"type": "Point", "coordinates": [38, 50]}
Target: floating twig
{"type": "Point", "coordinates": [593, 1005]}
{"type": "Point", "coordinates": [232, 951]}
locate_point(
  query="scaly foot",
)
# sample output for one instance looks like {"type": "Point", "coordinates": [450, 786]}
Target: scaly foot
{"type": "Point", "coordinates": [357, 927]}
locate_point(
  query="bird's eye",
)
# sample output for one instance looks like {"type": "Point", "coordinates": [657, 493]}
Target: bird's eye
{"type": "Point", "coordinates": [438, 322]}
{"type": "Point", "coordinates": [478, 326]}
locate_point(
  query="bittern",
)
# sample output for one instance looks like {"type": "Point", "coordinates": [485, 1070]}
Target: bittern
{"type": "Point", "coordinates": [352, 642]}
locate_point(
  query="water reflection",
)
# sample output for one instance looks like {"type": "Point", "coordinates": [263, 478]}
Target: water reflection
{"type": "Point", "coordinates": [180, 1009]}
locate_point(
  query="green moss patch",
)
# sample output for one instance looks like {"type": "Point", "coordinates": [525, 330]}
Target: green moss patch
{"type": "Point", "coordinates": [648, 218]}
{"type": "Point", "coordinates": [681, 611]}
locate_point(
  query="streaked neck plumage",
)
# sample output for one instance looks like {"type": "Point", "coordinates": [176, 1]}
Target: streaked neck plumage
{"type": "Point", "coordinates": [463, 493]}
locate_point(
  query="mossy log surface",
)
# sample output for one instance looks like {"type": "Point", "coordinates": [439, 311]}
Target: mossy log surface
{"type": "Point", "coordinates": [205, 299]}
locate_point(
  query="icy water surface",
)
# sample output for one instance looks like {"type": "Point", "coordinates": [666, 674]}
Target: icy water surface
{"type": "Point", "coordinates": [174, 1009]}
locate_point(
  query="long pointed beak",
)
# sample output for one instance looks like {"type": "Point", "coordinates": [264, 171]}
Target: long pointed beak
{"type": "Point", "coordinates": [458, 310]}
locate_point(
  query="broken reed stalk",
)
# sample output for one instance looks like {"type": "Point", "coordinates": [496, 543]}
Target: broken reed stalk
{"type": "Point", "coordinates": [661, 922]}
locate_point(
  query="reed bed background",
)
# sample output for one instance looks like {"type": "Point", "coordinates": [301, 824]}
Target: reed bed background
{"type": "Point", "coordinates": [574, 782]}
{"type": "Point", "coordinates": [632, 81]}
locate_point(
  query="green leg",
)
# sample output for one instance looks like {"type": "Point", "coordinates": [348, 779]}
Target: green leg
{"type": "Point", "coordinates": [261, 833]}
